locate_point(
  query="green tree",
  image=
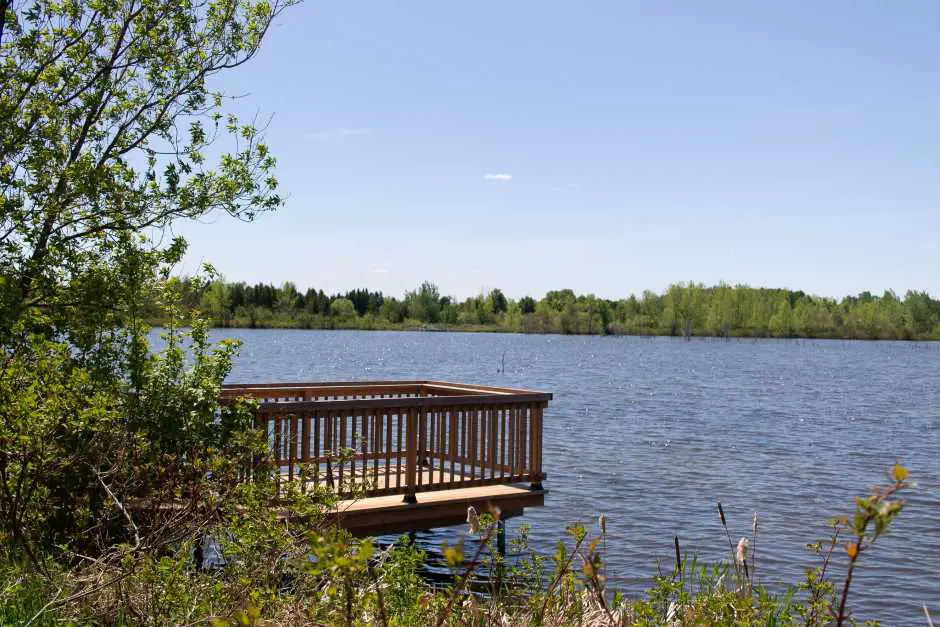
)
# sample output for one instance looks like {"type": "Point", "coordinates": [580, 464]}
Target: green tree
{"type": "Point", "coordinates": [343, 309]}
{"type": "Point", "coordinates": [109, 135]}
{"type": "Point", "coordinates": [424, 304]}
{"type": "Point", "coordinates": [497, 301]}
{"type": "Point", "coordinates": [108, 120]}
{"type": "Point", "coordinates": [391, 310]}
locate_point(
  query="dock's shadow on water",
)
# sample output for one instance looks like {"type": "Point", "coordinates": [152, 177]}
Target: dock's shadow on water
{"type": "Point", "coordinates": [435, 569]}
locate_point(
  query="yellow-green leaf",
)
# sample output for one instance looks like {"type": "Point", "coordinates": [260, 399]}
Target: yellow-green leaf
{"type": "Point", "coordinates": [900, 472]}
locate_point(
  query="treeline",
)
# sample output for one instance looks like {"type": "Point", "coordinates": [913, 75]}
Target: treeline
{"type": "Point", "coordinates": [684, 309]}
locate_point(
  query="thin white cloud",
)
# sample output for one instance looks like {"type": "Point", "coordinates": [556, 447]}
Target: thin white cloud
{"type": "Point", "coordinates": [338, 134]}
{"type": "Point", "coordinates": [497, 176]}
{"type": "Point", "coordinates": [380, 270]}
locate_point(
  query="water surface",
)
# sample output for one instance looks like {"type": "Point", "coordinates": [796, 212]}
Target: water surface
{"type": "Point", "coordinates": [653, 432]}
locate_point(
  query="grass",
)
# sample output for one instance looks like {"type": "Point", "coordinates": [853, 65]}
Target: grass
{"type": "Point", "coordinates": [278, 576]}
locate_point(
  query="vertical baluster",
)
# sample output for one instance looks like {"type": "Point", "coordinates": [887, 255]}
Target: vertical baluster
{"type": "Point", "coordinates": [494, 433]}
{"type": "Point", "coordinates": [278, 436]}
{"type": "Point", "coordinates": [412, 452]}
{"type": "Point", "coordinates": [342, 446]}
{"type": "Point", "coordinates": [291, 445]}
{"type": "Point", "coordinates": [387, 417]}
{"type": "Point", "coordinates": [484, 414]}
{"type": "Point", "coordinates": [502, 442]}
{"type": "Point", "coordinates": [421, 450]}
{"type": "Point", "coordinates": [473, 442]}
{"type": "Point", "coordinates": [524, 441]}
{"type": "Point", "coordinates": [304, 447]}
{"type": "Point", "coordinates": [462, 418]}
{"type": "Point", "coordinates": [316, 448]}
{"type": "Point", "coordinates": [399, 450]}
{"type": "Point", "coordinates": [376, 447]}
{"type": "Point", "coordinates": [441, 446]}
{"type": "Point", "coordinates": [432, 433]}
{"type": "Point", "coordinates": [354, 439]}
{"type": "Point", "coordinates": [452, 441]}
{"type": "Point", "coordinates": [515, 443]}
{"type": "Point", "coordinates": [328, 448]}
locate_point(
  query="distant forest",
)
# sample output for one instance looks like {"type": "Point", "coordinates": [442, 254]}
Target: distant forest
{"type": "Point", "coordinates": [684, 309]}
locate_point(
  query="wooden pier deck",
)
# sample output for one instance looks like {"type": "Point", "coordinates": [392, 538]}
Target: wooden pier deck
{"type": "Point", "coordinates": [406, 455]}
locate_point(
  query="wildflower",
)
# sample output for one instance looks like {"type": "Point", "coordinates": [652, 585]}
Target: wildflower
{"type": "Point", "coordinates": [473, 520]}
{"type": "Point", "coordinates": [742, 551]}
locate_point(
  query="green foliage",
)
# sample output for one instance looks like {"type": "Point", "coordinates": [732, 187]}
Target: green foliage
{"type": "Point", "coordinates": [683, 310]}
{"type": "Point", "coordinates": [109, 126]}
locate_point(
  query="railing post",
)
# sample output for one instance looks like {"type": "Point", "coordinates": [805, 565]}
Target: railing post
{"type": "Point", "coordinates": [535, 448]}
{"type": "Point", "coordinates": [411, 459]}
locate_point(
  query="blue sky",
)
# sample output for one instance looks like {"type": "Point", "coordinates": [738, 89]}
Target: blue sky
{"type": "Point", "coordinates": [608, 147]}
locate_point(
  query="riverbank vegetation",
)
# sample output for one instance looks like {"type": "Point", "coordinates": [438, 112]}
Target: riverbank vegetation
{"type": "Point", "coordinates": [268, 571]}
{"type": "Point", "coordinates": [684, 309]}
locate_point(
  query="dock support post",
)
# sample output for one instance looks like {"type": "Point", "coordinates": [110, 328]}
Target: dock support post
{"type": "Point", "coordinates": [501, 538]}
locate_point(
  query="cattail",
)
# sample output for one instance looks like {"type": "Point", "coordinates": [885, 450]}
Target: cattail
{"type": "Point", "coordinates": [678, 556]}
{"type": "Point", "coordinates": [602, 521]}
{"type": "Point", "coordinates": [721, 513]}
{"type": "Point", "coordinates": [742, 551]}
{"type": "Point", "coordinates": [755, 523]}
{"type": "Point", "coordinates": [473, 520]}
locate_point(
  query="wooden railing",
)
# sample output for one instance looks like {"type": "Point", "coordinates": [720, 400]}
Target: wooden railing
{"type": "Point", "coordinates": [401, 437]}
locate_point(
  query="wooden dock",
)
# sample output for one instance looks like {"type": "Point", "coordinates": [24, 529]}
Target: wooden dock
{"type": "Point", "coordinates": [406, 455]}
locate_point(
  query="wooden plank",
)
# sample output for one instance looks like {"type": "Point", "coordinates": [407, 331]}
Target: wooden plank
{"type": "Point", "coordinates": [413, 401]}
{"type": "Point", "coordinates": [387, 514]}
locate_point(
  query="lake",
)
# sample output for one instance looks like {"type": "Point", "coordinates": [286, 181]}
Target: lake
{"type": "Point", "coordinates": [654, 431]}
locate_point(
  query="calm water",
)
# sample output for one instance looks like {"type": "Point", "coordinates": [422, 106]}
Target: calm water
{"type": "Point", "coordinates": [653, 432]}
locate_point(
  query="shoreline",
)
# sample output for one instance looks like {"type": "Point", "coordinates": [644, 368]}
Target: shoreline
{"type": "Point", "coordinates": [457, 328]}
